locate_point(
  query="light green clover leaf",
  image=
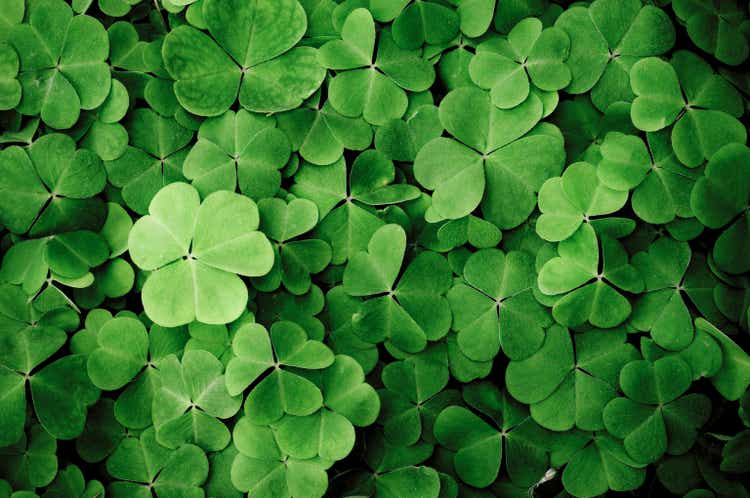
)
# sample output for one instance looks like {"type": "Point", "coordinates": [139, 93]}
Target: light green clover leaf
{"type": "Point", "coordinates": [404, 314]}
{"type": "Point", "coordinates": [122, 353]}
{"type": "Point", "coordinates": [470, 229]}
{"type": "Point", "coordinates": [50, 187]}
{"type": "Point", "coordinates": [720, 198]}
{"type": "Point", "coordinates": [686, 93]}
{"type": "Point", "coordinates": [653, 418]}
{"type": "Point", "coordinates": [716, 28]}
{"type": "Point", "coordinates": [192, 398]}
{"type": "Point", "coordinates": [662, 310]}
{"type": "Point", "coordinates": [196, 253]}
{"type": "Point", "coordinates": [495, 307]}
{"type": "Point", "coordinates": [606, 39]}
{"type": "Point", "coordinates": [491, 163]}
{"type": "Point", "coordinates": [568, 201]}
{"type": "Point", "coordinates": [530, 54]}
{"type": "Point", "coordinates": [282, 390]}
{"type": "Point", "coordinates": [100, 129]}
{"type": "Point", "coordinates": [250, 51]}
{"type": "Point", "coordinates": [296, 260]}
{"type": "Point", "coordinates": [262, 469]}
{"type": "Point", "coordinates": [61, 75]}
{"type": "Point", "coordinates": [238, 149]}
{"type": "Point", "coordinates": [579, 266]}
{"type": "Point", "coordinates": [141, 466]}
{"type": "Point", "coordinates": [154, 159]}
{"type": "Point", "coordinates": [373, 89]}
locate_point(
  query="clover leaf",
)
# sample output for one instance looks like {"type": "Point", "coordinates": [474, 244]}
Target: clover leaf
{"type": "Point", "coordinates": [140, 465]}
{"type": "Point", "coordinates": [653, 418]}
{"type": "Point", "coordinates": [687, 93]}
{"type": "Point", "coordinates": [100, 130]}
{"type": "Point", "coordinates": [256, 351]}
{"type": "Point", "coordinates": [373, 89]}
{"type": "Point", "coordinates": [496, 308]}
{"type": "Point", "coordinates": [60, 75]}
{"type": "Point", "coordinates": [733, 379]}
{"type": "Point", "coordinates": [31, 462]}
{"type": "Point", "coordinates": [715, 28]}
{"type": "Point", "coordinates": [401, 139]}
{"type": "Point", "coordinates": [416, 23]}
{"type": "Point", "coordinates": [251, 50]}
{"type": "Point", "coordinates": [530, 54]}
{"type": "Point", "coordinates": [261, 468]}
{"type": "Point", "coordinates": [194, 247]}
{"type": "Point", "coordinates": [190, 401]}
{"type": "Point", "coordinates": [606, 38]}
{"type": "Point", "coordinates": [491, 162]}
{"type": "Point", "coordinates": [340, 309]}
{"type": "Point", "coordinates": [122, 352]}
{"type": "Point", "coordinates": [580, 268]}
{"type": "Point", "coordinates": [11, 88]}
{"type": "Point", "coordinates": [50, 187]}
{"type": "Point", "coordinates": [70, 483]}
{"type": "Point", "coordinates": [238, 149]}
{"type": "Point", "coordinates": [720, 198]}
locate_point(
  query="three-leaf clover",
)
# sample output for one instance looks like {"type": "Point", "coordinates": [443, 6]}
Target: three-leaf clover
{"type": "Point", "coordinates": [282, 390]}
{"type": "Point", "coordinates": [195, 256]}
{"type": "Point", "coordinates": [686, 93]}
{"type": "Point", "coordinates": [530, 54]}
{"type": "Point", "coordinates": [192, 398]}
{"type": "Point", "coordinates": [251, 50]}
{"type": "Point", "coordinates": [495, 307]}
{"type": "Point", "coordinates": [585, 267]}
{"type": "Point", "coordinates": [238, 149]}
{"type": "Point", "coordinates": [63, 68]}
{"type": "Point", "coordinates": [492, 161]}
{"type": "Point", "coordinates": [373, 89]}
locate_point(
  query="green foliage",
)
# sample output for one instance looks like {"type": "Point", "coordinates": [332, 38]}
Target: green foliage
{"type": "Point", "coordinates": [374, 248]}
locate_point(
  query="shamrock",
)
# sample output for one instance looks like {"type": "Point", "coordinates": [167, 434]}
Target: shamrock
{"type": "Point", "coordinates": [295, 260]}
{"type": "Point", "coordinates": [31, 462]}
{"type": "Point", "coordinates": [596, 463]}
{"type": "Point", "coordinates": [140, 465]}
{"type": "Point", "coordinates": [187, 246]}
{"type": "Point", "coordinates": [654, 417]}
{"type": "Point", "coordinates": [686, 93]}
{"type": "Point", "coordinates": [250, 51]}
{"type": "Point", "coordinates": [401, 139]}
{"type": "Point", "coordinates": [716, 28]}
{"type": "Point", "coordinates": [574, 198]}
{"type": "Point", "coordinates": [606, 38]}
{"type": "Point", "coordinates": [720, 198]}
{"type": "Point", "coordinates": [192, 397]}
{"type": "Point", "coordinates": [238, 149]}
{"type": "Point", "coordinates": [580, 269]}
{"type": "Point", "coordinates": [329, 433]}
{"type": "Point", "coordinates": [121, 353]}
{"type": "Point", "coordinates": [11, 88]}
{"type": "Point", "coordinates": [256, 351]}
{"type": "Point", "coordinates": [321, 134]}
{"type": "Point", "coordinates": [733, 379]}
{"type": "Point", "coordinates": [414, 394]}
{"type": "Point", "coordinates": [505, 66]}
{"type": "Point", "coordinates": [479, 446]}
{"type": "Point", "coordinates": [367, 88]}
{"type": "Point", "coordinates": [405, 314]}
{"type": "Point", "coordinates": [60, 75]}
{"type": "Point", "coordinates": [61, 391]}
{"type": "Point", "coordinates": [347, 220]}
{"type": "Point", "coordinates": [496, 308]}
{"type": "Point", "coordinates": [491, 162]}
{"type": "Point", "coordinates": [567, 389]}
{"type": "Point", "coordinates": [262, 469]}
{"type": "Point", "coordinates": [50, 187]}
{"type": "Point", "coordinates": [661, 185]}
{"type": "Point", "coordinates": [154, 160]}
{"type": "Point", "coordinates": [662, 310]}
